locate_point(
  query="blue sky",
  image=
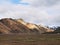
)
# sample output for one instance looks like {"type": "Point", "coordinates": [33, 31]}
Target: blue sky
{"type": "Point", "coordinates": [15, 1]}
{"type": "Point", "coordinates": [19, 2]}
{"type": "Point", "coordinates": [46, 12]}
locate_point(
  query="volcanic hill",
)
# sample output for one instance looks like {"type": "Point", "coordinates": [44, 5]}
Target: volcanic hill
{"type": "Point", "coordinates": [12, 26]}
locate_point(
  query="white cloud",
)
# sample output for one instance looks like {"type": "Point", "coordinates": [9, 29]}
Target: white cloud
{"type": "Point", "coordinates": [45, 2]}
{"type": "Point", "coordinates": [35, 12]}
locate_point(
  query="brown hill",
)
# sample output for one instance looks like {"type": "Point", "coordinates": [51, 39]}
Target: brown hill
{"type": "Point", "coordinates": [9, 26]}
{"type": "Point", "coordinates": [15, 26]}
{"type": "Point", "coordinates": [4, 29]}
{"type": "Point", "coordinates": [34, 27]}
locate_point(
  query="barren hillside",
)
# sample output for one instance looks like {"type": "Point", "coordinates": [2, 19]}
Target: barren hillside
{"type": "Point", "coordinates": [10, 26]}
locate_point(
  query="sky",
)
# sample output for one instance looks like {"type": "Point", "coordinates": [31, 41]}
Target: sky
{"type": "Point", "coordinates": [45, 12]}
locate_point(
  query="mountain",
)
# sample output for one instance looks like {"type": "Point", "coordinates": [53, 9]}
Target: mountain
{"type": "Point", "coordinates": [11, 26]}
{"type": "Point", "coordinates": [4, 29]}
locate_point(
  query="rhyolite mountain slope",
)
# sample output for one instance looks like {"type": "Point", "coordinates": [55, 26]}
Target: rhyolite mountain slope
{"type": "Point", "coordinates": [4, 29]}
{"type": "Point", "coordinates": [12, 26]}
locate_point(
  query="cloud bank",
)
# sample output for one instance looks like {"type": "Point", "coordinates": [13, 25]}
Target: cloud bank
{"type": "Point", "coordinates": [45, 12]}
